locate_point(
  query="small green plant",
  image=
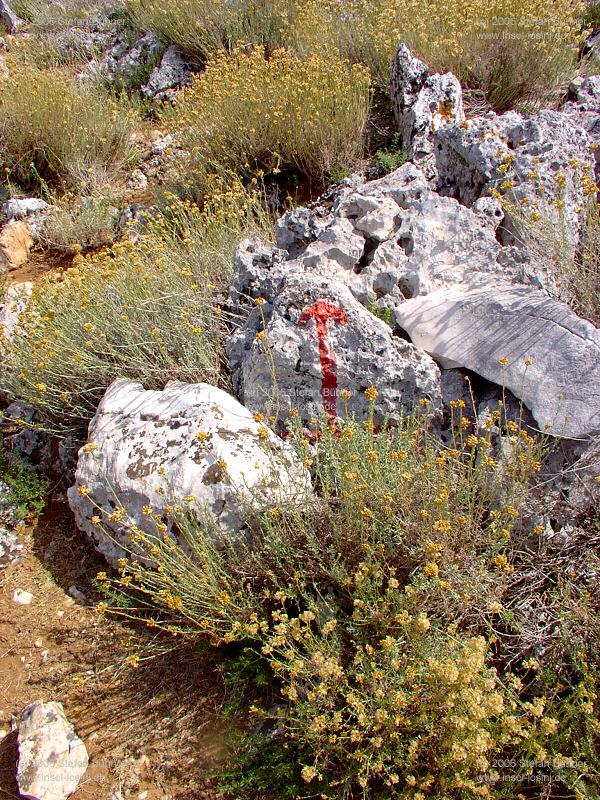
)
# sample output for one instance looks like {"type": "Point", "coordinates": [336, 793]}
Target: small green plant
{"type": "Point", "coordinates": [262, 763]}
{"type": "Point", "coordinates": [28, 489]}
{"type": "Point", "coordinates": [391, 157]}
{"type": "Point", "coordinates": [381, 312]}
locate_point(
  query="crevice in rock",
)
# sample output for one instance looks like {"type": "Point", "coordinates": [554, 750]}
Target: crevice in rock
{"type": "Point", "coordinates": [368, 254]}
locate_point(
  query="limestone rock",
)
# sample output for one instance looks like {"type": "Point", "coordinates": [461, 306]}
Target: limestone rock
{"type": "Point", "coordinates": [21, 207]}
{"type": "Point", "coordinates": [171, 74]}
{"type": "Point", "coordinates": [15, 243]}
{"type": "Point", "coordinates": [476, 328]}
{"type": "Point", "coordinates": [423, 104]}
{"type": "Point", "coordinates": [533, 153]}
{"type": "Point", "coordinates": [124, 61]}
{"type": "Point", "coordinates": [585, 109]}
{"type": "Point", "coordinates": [52, 758]}
{"type": "Point", "coordinates": [189, 440]}
{"type": "Point", "coordinates": [10, 546]}
{"type": "Point", "coordinates": [9, 18]}
{"type": "Point", "coordinates": [15, 302]}
{"type": "Point", "coordinates": [318, 340]}
{"type": "Point", "coordinates": [296, 229]}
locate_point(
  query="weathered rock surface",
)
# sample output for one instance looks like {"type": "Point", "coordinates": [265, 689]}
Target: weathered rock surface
{"type": "Point", "coordinates": [15, 302]}
{"type": "Point", "coordinates": [316, 340]}
{"type": "Point", "coordinates": [171, 74]}
{"type": "Point", "coordinates": [22, 207]}
{"type": "Point", "coordinates": [10, 546]}
{"type": "Point", "coordinates": [9, 18]}
{"type": "Point", "coordinates": [15, 243]}
{"type": "Point", "coordinates": [125, 61]}
{"type": "Point", "coordinates": [52, 758]}
{"type": "Point", "coordinates": [387, 240]}
{"type": "Point", "coordinates": [539, 158]}
{"type": "Point", "coordinates": [476, 328]}
{"type": "Point", "coordinates": [189, 440]}
{"type": "Point", "coordinates": [423, 103]}
{"type": "Point", "coordinates": [585, 109]}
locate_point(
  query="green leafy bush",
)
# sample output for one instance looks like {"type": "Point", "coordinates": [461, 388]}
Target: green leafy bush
{"type": "Point", "coordinates": [28, 489]}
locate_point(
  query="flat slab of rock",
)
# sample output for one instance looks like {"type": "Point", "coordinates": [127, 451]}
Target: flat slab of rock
{"type": "Point", "coordinates": [52, 758]}
{"type": "Point", "coordinates": [189, 441]}
{"type": "Point", "coordinates": [478, 328]}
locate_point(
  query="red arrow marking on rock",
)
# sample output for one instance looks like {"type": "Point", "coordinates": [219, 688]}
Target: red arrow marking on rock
{"type": "Point", "coordinates": [322, 311]}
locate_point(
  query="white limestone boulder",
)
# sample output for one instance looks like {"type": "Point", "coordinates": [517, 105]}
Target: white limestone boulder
{"type": "Point", "coordinates": [479, 328]}
{"type": "Point", "coordinates": [188, 441]}
{"type": "Point", "coordinates": [52, 758]}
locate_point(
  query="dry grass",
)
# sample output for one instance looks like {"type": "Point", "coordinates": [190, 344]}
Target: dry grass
{"type": "Point", "coordinates": [60, 134]}
{"type": "Point", "coordinates": [247, 110]}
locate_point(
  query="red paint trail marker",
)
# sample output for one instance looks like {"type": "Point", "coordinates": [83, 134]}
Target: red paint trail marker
{"type": "Point", "coordinates": [322, 311]}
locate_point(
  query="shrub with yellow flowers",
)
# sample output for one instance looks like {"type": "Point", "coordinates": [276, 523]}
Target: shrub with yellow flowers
{"type": "Point", "coordinates": [149, 311]}
{"type": "Point", "coordinates": [250, 110]}
{"type": "Point", "coordinates": [56, 132]}
{"type": "Point", "coordinates": [379, 606]}
{"type": "Point", "coordinates": [512, 50]}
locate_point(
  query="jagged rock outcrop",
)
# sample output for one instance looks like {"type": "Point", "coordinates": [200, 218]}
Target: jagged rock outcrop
{"type": "Point", "coordinates": [387, 240]}
{"type": "Point", "coordinates": [52, 758]}
{"type": "Point", "coordinates": [194, 441]}
{"type": "Point", "coordinates": [540, 159]}
{"type": "Point", "coordinates": [126, 61]}
{"type": "Point", "coordinates": [316, 340]}
{"type": "Point", "coordinates": [423, 103]}
{"type": "Point", "coordinates": [171, 74]}
{"type": "Point", "coordinates": [520, 338]}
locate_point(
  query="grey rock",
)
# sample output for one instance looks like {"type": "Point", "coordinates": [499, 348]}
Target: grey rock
{"type": "Point", "coordinates": [296, 229]}
{"type": "Point", "coordinates": [144, 450]}
{"type": "Point", "coordinates": [585, 110]}
{"type": "Point", "coordinates": [476, 328]}
{"type": "Point", "coordinates": [15, 302]}
{"type": "Point", "coordinates": [21, 207]}
{"type": "Point", "coordinates": [291, 367]}
{"type": "Point", "coordinates": [21, 597]}
{"type": "Point", "coordinates": [167, 77]}
{"type": "Point", "coordinates": [124, 61]}
{"type": "Point", "coordinates": [52, 758]}
{"type": "Point", "coordinates": [9, 18]}
{"type": "Point", "coordinates": [10, 545]}
{"type": "Point", "coordinates": [423, 104]}
{"type": "Point", "coordinates": [387, 240]}
{"type": "Point", "coordinates": [530, 152]}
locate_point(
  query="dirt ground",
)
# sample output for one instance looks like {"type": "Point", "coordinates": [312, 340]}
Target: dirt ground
{"type": "Point", "coordinates": [152, 732]}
